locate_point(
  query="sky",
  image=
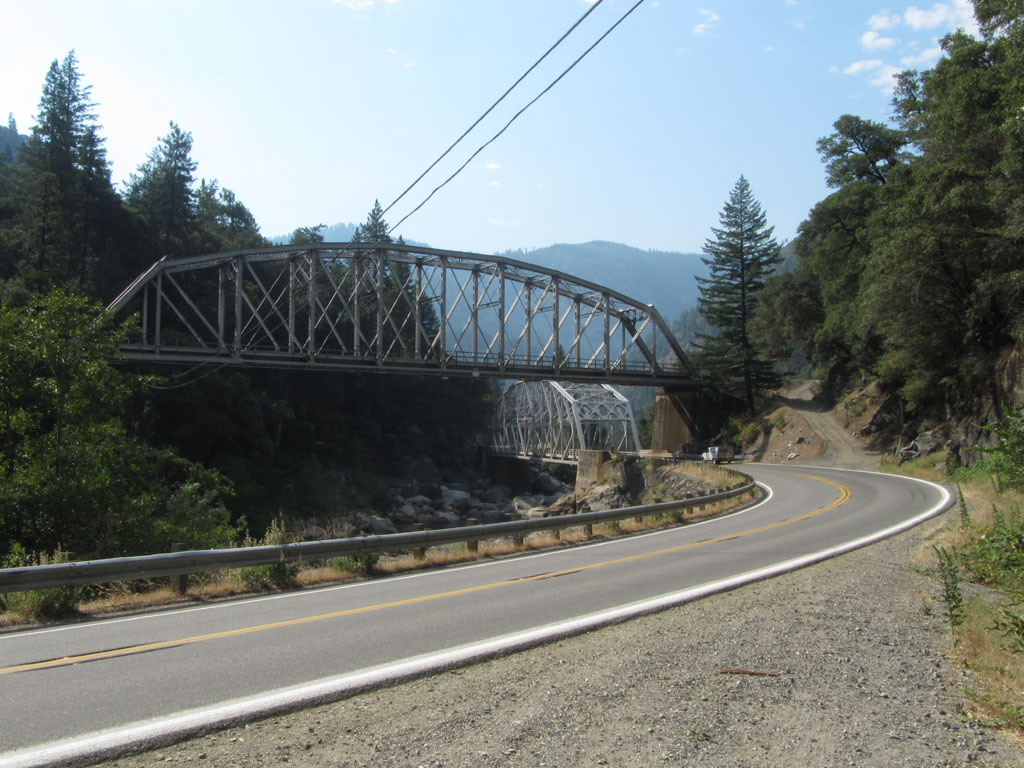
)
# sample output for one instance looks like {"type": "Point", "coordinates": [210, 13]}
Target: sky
{"type": "Point", "coordinates": [310, 110]}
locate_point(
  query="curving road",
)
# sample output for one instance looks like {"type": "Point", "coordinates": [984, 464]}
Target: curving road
{"type": "Point", "coordinates": [99, 686]}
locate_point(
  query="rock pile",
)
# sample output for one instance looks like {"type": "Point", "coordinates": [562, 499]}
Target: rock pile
{"type": "Point", "coordinates": [425, 499]}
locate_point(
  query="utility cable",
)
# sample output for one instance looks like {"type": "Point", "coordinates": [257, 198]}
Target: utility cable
{"type": "Point", "coordinates": [517, 114]}
{"type": "Point", "coordinates": [495, 104]}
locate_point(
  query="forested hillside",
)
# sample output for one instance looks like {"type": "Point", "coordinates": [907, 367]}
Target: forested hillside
{"type": "Point", "coordinates": [912, 270]}
{"type": "Point", "coordinates": [662, 278]}
{"type": "Point", "coordinates": [102, 460]}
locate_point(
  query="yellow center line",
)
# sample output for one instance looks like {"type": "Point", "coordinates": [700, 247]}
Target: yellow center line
{"type": "Point", "coordinates": [844, 494]}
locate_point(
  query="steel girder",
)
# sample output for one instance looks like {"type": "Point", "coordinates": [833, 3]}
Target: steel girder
{"type": "Point", "coordinates": [387, 306]}
{"type": "Point", "coordinates": [556, 420]}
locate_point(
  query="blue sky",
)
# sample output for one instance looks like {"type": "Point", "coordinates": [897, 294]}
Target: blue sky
{"type": "Point", "coordinates": [309, 110]}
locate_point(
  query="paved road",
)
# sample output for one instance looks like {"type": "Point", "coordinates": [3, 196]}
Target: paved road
{"type": "Point", "coordinates": [220, 661]}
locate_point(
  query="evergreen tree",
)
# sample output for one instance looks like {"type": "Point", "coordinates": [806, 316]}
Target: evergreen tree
{"type": "Point", "coordinates": [223, 222]}
{"type": "Point", "coordinates": [741, 255]}
{"type": "Point", "coordinates": [375, 229]}
{"type": "Point", "coordinates": [63, 172]}
{"type": "Point", "coordinates": [303, 235]}
{"type": "Point", "coordinates": [162, 192]}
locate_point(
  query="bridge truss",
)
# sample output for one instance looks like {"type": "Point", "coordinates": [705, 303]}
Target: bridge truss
{"type": "Point", "coordinates": [396, 307]}
{"type": "Point", "coordinates": [556, 420]}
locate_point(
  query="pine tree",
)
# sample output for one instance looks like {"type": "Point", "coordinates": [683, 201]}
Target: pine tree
{"type": "Point", "coordinates": [162, 192]}
{"type": "Point", "coordinates": [63, 175]}
{"type": "Point", "coordinates": [375, 229]}
{"type": "Point", "coordinates": [741, 254]}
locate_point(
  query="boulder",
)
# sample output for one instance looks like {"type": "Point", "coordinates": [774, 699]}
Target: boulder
{"type": "Point", "coordinates": [497, 494]}
{"type": "Point", "coordinates": [456, 499]}
{"type": "Point", "coordinates": [522, 503]}
{"type": "Point", "coordinates": [424, 471]}
{"type": "Point", "coordinates": [440, 519]}
{"type": "Point", "coordinates": [375, 524]}
{"type": "Point", "coordinates": [489, 514]}
{"type": "Point", "coordinates": [605, 497]}
{"type": "Point", "coordinates": [546, 485]}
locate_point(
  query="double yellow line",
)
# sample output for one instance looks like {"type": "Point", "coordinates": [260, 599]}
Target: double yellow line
{"type": "Point", "coordinates": [844, 494]}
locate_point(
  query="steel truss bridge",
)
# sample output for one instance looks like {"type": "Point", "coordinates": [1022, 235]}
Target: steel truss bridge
{"type": "Point", "coordinates": [400, 308]}
{"type": "Point", "coordinates": [555, 421]}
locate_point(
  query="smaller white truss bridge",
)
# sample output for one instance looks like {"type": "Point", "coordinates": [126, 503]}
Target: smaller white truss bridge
{"type": "Point", "coordinates": [554, 421]}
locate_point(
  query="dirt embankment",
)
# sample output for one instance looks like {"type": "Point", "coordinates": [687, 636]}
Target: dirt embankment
{"type": "Point", "coordinates": [801, 431]}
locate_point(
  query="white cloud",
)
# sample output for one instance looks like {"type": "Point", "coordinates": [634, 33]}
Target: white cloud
{"type": "Point", "coordinates": [872, 41]}
{"type": "Point", "coordinates": [866, 65]}
{"type": "Point", "coordinates": [884, 20]}
{"type": "Point", "coordinates": [957, 14]}
{"type": "Point", "coordinates": [503, 223]}
{"type": "Point", "coordinates": [362, 5]}
{"type": "Point", "coordinates": [494, 184]}
{"type": "Point", "coordinates": [926, 58]}
{"type": "Point", "coordinates": [885, 78]}
{"type": "Point", "coordinates": [493, 166]}
{"type": "Point", "coordinates": [711, 20]}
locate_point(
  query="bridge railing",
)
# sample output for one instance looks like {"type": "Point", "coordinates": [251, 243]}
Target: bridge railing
{"type": "Point", "coordinates": [197, 561]}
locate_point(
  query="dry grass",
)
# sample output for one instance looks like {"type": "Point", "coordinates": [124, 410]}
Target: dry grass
{"type": "Point", "coordinates": [997, 694]}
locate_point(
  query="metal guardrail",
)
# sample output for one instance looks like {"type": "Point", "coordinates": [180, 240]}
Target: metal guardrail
{"type": "Point", "coordinates": [197, 561]}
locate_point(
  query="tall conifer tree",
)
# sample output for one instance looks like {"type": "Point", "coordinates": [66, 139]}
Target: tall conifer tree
{"type": "Point", "coordinates": [741, 255]}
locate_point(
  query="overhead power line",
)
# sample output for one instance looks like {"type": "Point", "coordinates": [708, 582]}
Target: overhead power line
{"type": "Point", "coordinates": [515, 117]}
{"type": "Point", "coordinates": [495, 104]}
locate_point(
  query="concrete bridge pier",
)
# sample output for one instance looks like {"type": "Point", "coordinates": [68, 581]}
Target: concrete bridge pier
{"type": "Point", "coordinates": [677, 419]}
{"type": "Point", "coordinates": [510, 471]}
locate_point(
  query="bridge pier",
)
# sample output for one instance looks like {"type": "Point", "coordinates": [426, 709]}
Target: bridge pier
{"type": "Point", "coordinates": [512, 472]}
{"type": "Point", "coordinates": [675, 419]}
{"type": "Point", "coordinates": [590, 469]}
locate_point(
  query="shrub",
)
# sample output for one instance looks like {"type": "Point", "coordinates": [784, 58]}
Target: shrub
{"type": "Point", "coordinates": [360, 565]}
{"type": "Point", "coordinates": [274, 575]}
{"type": "Point", "coordinates": [952, 597]}
{"type": "Point", "coordinates": [53, 603]}
{"type": "Point", "coordinates": [1007, 456]}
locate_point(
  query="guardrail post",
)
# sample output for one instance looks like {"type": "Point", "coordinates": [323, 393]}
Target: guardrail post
{"type": "Point", "coordinates": [588, 530]}
{"type": "Point", "coordinates": [473, 544]}
{"type": "Point", "coordinates": [181, 580]}
{"type": "Point", "coordinates": [420, 553]}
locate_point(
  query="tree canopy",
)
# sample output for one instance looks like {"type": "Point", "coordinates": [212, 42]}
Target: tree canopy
{"type": "Point", "coordinates": [911, 271]}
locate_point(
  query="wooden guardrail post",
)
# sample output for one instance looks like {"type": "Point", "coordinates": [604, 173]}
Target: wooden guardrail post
{"type": "Point", "coordinates": [181, 580]}
{"type": "Point", "coordinates": [419, 553]}
{"type": "Point", "coordinates": [473, 544]}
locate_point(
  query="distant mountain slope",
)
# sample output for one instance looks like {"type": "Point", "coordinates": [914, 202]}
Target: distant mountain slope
{"type": "Point", "coordinates": [662, 278]}
{"type": "Point", "coordinates": [336, 233]}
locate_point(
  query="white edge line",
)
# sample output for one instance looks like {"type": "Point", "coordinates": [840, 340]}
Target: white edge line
{"type": "Point", "coordinates": [168, 729]}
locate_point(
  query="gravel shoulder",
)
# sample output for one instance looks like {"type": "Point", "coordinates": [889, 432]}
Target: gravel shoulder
{"type": "Point", "coordinates": [854, 649]}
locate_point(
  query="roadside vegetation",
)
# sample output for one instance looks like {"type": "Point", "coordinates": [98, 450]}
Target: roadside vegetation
{"type": "Point", "coordinates": [978, 563]}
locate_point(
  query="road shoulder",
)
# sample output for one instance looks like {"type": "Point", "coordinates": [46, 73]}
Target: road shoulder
{"type": "Point", "coordinates": [854, 647]}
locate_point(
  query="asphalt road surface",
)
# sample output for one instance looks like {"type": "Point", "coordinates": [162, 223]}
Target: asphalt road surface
{"type": "Point", "coordinates": [95, 687]}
